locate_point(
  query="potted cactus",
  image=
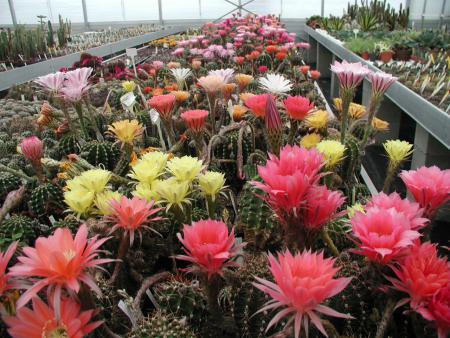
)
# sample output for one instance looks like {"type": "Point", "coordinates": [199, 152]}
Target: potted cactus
{"type": "Point", "coordinates": [385, 52]}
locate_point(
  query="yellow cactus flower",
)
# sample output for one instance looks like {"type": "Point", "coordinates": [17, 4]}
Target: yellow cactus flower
{"type": "Point", "coordinates": [103, 200]}
{"type": "Point", "coordinates": [146, 191]}
{"type": "Point", "coordinates": [380, 125]}
{"type": "Point", "coordinates": [317, 120]}
{"type": "Point", "coordinates": [180, 95]}
{"type": "Point", "coordinates": [310, 140]}
{"type": "Point", "coordinates": [211, 183]}
{"type": "Point", "coordinates": [129, 86]}
{"type": "Point", "coordinates": [243, 80]}
{"type": "Point", "coordinates": [333, 151]}
{"type": "Point", "coordinates": [351, 210]}
{"type": "Point", "coordinates": [173, 191]}
{"type": "Point", "coordinates": [126, 130]}
{"type": "Point", "coordinates": [149, 167]}
{"type": "Point", "coordinates": [338, 104]}
{"type": "Point", "coordinates": [245, 96]}
{"type": "Point", "coordinates": [238, 112]}
{"type": "Point", "coordinates": [398, 151]}
{"type": "Point", "coordinates": [185, 168]}
{"type": "Point", "coordinates": [79, 200]}
{"type": "Point", "coordinates": [356, 111]}
{"type": "Point", "coordinates": [94, 180]}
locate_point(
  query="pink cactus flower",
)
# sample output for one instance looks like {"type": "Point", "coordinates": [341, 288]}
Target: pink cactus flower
{"type": "Point", "coordinates": [163, 104]}
{"type": "Point", "coordinates": [438, 311]}
{"type": "Point", "coordinates": [42, 321]}
{"type": "Point", "coordinates": [258, 104]}
{"type": "Point", "coordinates": [321, 207]}
{"type": "Point", "coordinates": [209, 246]}
{"type": "Point", "coordinates": [32, 148]}
{"type": "Point", "coordinates": [381, 82]}
{"type": "Point", "coordinates": [350, 74]}
{"type": "Point", "coordinates": [132, 215]}
{"type": "Point", "coordinates": [158, 65]}
{"type": "Point", "coordinates": [60, 261]}
{"type": "Point", "coordinates": [410, 209]}
{"type": "Point", "coordinates": [76, 84]}
{"type": "Point", "coordinates": [302, 283]}
{"type": "Point", "coordinates": [52, 82]}
{"type": "Point", "coordinates": [429, 186]}
{"type": "Point", "coordinates": [5, 257]}
{"type": "Point", "coordinates": [383, 235]}
{"type": "Point", "coordinates": [195, 119]}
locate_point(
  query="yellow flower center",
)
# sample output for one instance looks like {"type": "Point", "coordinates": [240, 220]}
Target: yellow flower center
{"type": "Point", "coordinates": [69, 254]}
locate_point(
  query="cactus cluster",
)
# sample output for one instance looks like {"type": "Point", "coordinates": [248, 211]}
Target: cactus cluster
{"type": "Point", "coordinates": [8, 183]}
{"type": "Point", "coordinates": [160, 325]}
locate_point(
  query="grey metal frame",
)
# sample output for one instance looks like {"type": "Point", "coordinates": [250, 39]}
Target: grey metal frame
{"type": "Point", "coordinates": [30, 72]}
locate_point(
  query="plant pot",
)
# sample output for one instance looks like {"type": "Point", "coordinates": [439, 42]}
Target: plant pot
{"type": "Point", "coordinates": [365, 55]}
{"type": "Point", "coordinates": [403, 54]}
{"type": "Point", "coordinates": [386, 56]}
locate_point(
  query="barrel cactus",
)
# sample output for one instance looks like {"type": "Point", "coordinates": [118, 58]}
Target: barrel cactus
{"type": "Point", "coordinates": [69, 144]}
{"type": "Point", "coordinates": [18, 228]}
{"type": "Point", "coordinates": [8, 183]}
{"type": "Point", "coordinates": [100, 154]}
{"type": "Point", "coordinates": [46, 199]}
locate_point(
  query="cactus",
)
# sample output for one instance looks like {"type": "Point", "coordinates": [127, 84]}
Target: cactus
{"type": "Point", "coordinates": [69, 144]}
{"type": "Point", "coordinates": [69, 222]}
{"type": "Point", "coordinates": [228, 150]}
{"type": "Point", "coordinates": [351, 161]}
{"type": "Point", "coordinates": [46, 199]}
{"type": "Point", "coordinates": [161, 325]}
{"type": "Point", "coordinates": [8, 183]}
{"type": "Point", "coordinates": [182, 299]}
{"type": "Point", "coordinates": [256, 218]}
{"type": "Point", "coordinates": [247, 300]}
{"type": "Point", "coordinates": [18, 228]}
{"type": "Point", "coordinates": [101, 154]}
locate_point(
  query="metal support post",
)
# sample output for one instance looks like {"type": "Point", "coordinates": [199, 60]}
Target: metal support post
{"type": "Point", "coordinates": [160, 13]}
{"type": "Point", "coordinates": [13, 12]}
{"type": "Point", "coordinates": [85, 15]}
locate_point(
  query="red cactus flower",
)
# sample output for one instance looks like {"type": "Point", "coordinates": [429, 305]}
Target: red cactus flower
{"type": "Point", "coordinates": [272, 49]}
{"type": "Point", "coordinates": [315, 75]}
{"type": "Point", "coordinates": [281, 56]}
{"type": "Point", "coordinates": [383, 234]}
{"type": "Point", "coordinates": [421, 274]}
{"type": "Point", "coordinates": [163, 104]}
{"type": "Point", "coordinates": [239, 60]}
{"type": "Point", "coordinates": [195, 119]}
{"type": "Point", "coordinates": [263, 69]}
{"type": "Point", "coordinates": [429, 186]}
{"type": "Point", "coordinates": [410, 209]}
{"type": "Point", "coordinates": [321, 207]}
{"type": "Point", "coordinates": [258, 104]}
{"type": "Point", "coordinates": [132, 215]}
{"type": "Point", "coordinates": [60, 261]}
{"type": "Point", "coordinates": [304, 69]}
{"type": "Point", "coordinates": [438, 310]}
{"type": "Point", "coordinates": [43, 321]}
{"type": "Point", "coordinates": [302, 283]}
{"type": "Point", "coordinates": [209, 246]}
{"type": "Point", "coordinates": [298, 107]}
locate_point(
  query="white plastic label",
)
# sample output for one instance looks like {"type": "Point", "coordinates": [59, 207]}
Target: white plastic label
{"type": "Point", "coordinates": [154, 116]}
{"type": "Point", "coordinates": [131, 52]}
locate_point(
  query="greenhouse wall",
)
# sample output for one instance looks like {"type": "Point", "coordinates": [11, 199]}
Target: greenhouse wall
{"type": "Point", "coordinates": [102, 13]}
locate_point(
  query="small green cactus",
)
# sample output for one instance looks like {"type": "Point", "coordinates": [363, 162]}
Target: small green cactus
{"type": "Point", "coordinates": [8, 183]}
{"type": "Point", "coordinates": [18, 228]}
{"type": "Point", "coordinates": [162, 325]}
{"type": "Point", "coordinates": [69, 144]}
{"type": "Point", "coordinates": [46, 199]}
{"type": "Point", "coordinates": [101, 154]}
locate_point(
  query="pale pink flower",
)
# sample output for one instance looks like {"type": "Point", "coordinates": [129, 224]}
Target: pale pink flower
{"type": "Point", "coordinates": [53, 82]}
{"type": "Point", "coordinates": [32, 148]}
{"type": "Point", "coordinates": [211, 83]}
{"type": "Point", "coordinates": [225, 74]}
{"type": "Point", "coordinates": [302, 283]}
{"type": "Point", "coordinates": [381, 82]}
{"type": "Point", "coordinates": [76, 84]}
{"type": "Point", "coordinates": [157, 65]}
{"type": "Point", "coordinates": [350, 74]}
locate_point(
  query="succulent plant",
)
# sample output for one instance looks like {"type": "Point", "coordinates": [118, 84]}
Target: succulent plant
{"type": "Point", "coordinates": [8, 183]}
{"type": "Point", "coordinates": [183, 299]}
{"type": "Point", "coordinates": [69, 144]}
{"type": "Point", "coordinates": [160, 325]}
{"type": "Point", "coordinates": [101, 154]}
{"type": "Point", "coordinates": [46, 199]}
{"type": "Point", "coordinates": [18, 228]}
{"type": "Point", "coordinates": [69, 222]}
